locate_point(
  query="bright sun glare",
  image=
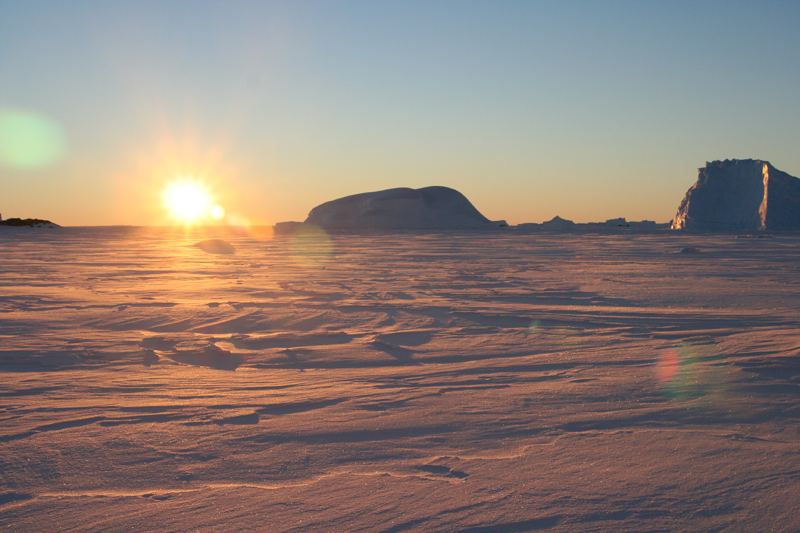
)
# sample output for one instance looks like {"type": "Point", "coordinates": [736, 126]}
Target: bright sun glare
{"type": "Point", "coordinates": [190, 201]}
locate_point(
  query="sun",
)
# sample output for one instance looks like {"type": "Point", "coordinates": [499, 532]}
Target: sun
{"type": "Point", "coordinates": [190, 201]}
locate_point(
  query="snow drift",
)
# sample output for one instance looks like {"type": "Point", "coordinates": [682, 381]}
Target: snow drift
{"type": "Point", "coordinates": [401, 208]}
{"type": "Point", "coordinates": [215, 246]}
{"type": "Point", "coordinates": [740, 194]}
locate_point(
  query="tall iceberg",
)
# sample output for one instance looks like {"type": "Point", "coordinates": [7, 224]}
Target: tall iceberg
{"type": "Point", "coordinates": [740, 194]}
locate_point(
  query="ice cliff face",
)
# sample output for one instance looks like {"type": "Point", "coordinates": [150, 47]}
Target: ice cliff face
{"type": "Point", "coordinates": [740, 194]}
{"type": "Point", "coordinates": [401, 208]}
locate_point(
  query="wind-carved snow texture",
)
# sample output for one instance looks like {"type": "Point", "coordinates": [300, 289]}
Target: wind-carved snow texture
{"type": "Point", "coordinates": [401, 208]}
{"type": "Point", "coordinates": [740, 195]}
{"type": "Point", "coordinates": [469, 381]}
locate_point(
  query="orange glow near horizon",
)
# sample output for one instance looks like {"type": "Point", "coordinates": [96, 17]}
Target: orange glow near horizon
{"type": "Point", "coordinates": [183, 181]}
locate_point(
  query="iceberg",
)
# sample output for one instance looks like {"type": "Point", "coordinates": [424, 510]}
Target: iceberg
{"type": "Point", "coordinates": [740, 194]}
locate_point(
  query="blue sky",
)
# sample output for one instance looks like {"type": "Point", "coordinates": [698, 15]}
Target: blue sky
{"type": "Point", "coordinates": [587, 110]}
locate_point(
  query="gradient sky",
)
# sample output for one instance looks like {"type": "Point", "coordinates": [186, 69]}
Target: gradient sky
{"type": "Point", "coordinates": [587, 110]}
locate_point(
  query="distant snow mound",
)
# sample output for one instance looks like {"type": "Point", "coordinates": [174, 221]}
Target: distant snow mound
{"type": "Point", "coordinates": [401, 208]}
{"type": "Point", "coordinates": [740, 194]}
{"type": "Point", "coordinates": [215, 246]}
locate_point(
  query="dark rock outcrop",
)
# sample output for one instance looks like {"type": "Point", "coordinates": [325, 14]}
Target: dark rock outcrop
{"type": "Point", "coordinates": [27, 222]}
{"type": "Point", "coordinates": [742, 194]}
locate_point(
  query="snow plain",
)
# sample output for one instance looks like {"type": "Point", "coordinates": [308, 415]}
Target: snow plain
{"type": "Point", "coordinates": [461, 382]}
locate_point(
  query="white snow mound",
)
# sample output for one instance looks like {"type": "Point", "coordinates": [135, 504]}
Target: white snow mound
{"type": "Point", "coordinates": [215, 246]}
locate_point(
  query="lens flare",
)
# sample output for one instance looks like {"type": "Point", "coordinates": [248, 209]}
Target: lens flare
{"type": "Point", "coordinates": [260, 232]}
{"type": "Point", "coordinates": [311, 246]}
{"type": "Point", "coordinates": [691, 371]}
{"type": "Point", "coordinates": [29, 140]}
{"type": "Point", "coordinates": [188, 201]}
{"type": "Point", "coordinates": [217, 212]}
{"type": "Point", "coordinates": [238, 223]}
{"type": "Point", "coordinates": [668, 365]}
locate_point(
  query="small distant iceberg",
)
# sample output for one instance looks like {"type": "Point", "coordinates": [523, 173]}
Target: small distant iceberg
{"type": "Point", "coordinates": [401, 209]}
{"type": "Point", "coordinates": [622, 222]}
{"type": "Point", "coordinates": [215, 246]}
{"type": "Point", "coordinates": [558, 222]}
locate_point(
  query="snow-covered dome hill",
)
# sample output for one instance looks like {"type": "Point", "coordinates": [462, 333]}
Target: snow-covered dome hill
{"type": "Point", "coordinates": [401, 208]}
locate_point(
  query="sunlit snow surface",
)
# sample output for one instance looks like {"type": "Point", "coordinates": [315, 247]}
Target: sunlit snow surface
{"type": "Point", "coordinates": [468, 382]}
